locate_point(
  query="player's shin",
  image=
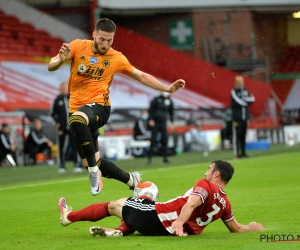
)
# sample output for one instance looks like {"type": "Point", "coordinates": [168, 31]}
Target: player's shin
{"type": "Point", "coordinates": [111, 171]}
{"type": "Point", "coordinates": [83, 139]}
{"type": "Point", "coordinates": [94, 212]}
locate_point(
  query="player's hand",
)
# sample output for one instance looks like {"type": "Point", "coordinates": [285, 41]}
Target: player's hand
{"type": "Point", "coordinates": [178, 227]}
{"type": "Point", "coordinates": [176, 85]}
{"type": "Point", "coordinates": [64, 52]}
{"type": "Point", "coordinates": [255, 226]}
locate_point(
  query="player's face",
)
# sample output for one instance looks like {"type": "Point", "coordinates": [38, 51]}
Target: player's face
{"type": "Point", "coordinates": [209, 173]}
{"type": "Point", "coordinates": [102, 41]}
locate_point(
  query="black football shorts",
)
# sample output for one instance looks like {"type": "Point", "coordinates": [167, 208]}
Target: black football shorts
{"type": "Point", "coordinates": [140, 214]}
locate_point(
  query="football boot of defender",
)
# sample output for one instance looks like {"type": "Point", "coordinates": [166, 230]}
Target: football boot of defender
{"type": "Point", "coordinates": [99, 232]}
{"type": "Point", "coordinates": [64, 210]}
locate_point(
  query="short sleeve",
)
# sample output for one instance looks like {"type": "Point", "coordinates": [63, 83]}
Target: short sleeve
{"type": "Point", "coordinates": [74, 45]}
{"type": "Point", "coordinates": [228, 215]}
{"type": "Point", "coordinates": [201, 189]}
{"type": "Point", "coordinates": [125, 66]}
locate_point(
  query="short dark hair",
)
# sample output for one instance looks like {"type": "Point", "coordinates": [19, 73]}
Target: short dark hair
{"type": "Point", "coordinates": [225, 168]}
{"type": "Point", "coordinates": [106, 25]}
{"type": "Point", "coordinates": [4, 125]}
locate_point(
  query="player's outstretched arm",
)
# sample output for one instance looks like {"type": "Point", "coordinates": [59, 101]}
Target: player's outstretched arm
{"type": "Point", "coordinates": [176, 85]}
{"type": "Point", "coordinates": [152, 82]}
{"type": "Point", "coordinates": [63, 55]}
{"type": "Point", "coordinates": [236, 227]}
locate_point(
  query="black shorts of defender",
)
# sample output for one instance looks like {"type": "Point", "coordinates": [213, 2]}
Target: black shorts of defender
{"type": "Point", "coordinates": [140, 214]}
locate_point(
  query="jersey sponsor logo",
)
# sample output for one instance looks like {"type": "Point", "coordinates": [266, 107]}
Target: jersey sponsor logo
{"type": "Point", "coordinates": [93, 60]}
{"type": "Point", "coordinates": [90, 72]}
{"type": "Point", "coordinates": [105, 63]}
{"type": "Point", "coordinates": [82, 58]}
{"type": "Point", "coordinates": [81, 68]}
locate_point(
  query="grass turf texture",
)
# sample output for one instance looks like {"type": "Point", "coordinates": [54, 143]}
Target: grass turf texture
{"type": "Point", "coordinates": [264, 188]}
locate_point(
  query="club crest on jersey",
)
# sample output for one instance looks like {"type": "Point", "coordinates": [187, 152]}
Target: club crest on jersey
{"type": "Point", "coordinates": [81, 68]}
{"type": "Point", "coordinates": [93, 60]}
{"type": "Point", "coordinates": [105, 63]}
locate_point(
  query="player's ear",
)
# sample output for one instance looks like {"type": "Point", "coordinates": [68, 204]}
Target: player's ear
{"type": "Point", "coordinates": [94, 34]}
{"type": "Point", "coordinates": [217, 174]}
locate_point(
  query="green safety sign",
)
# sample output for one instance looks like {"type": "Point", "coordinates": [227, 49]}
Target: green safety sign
{"type": "Point", "coordinates": [181, 34]}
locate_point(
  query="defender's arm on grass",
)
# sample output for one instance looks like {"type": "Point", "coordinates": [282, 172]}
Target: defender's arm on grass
{"type": "Point", "coordinates": [235, 227]}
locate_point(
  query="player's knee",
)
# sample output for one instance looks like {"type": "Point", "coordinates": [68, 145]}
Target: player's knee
{"type": "Point", "coordinates": [112, 205]}
{"type": "Point", "coordinates": [76, 122]}
{"type": "Point", "coordinates": [115, 207]}
{"type": "Point", "coordinates": [84, 115]}
{"type": "Point", "coordinates": [89, 116]}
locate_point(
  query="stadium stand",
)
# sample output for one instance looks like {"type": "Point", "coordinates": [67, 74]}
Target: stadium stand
{"type": "Point", "coordinates": [286, 75]}
{"type": "Point", "coordinates": [22, 39]}
{"type": "Point", "coordinates": [290, 61]}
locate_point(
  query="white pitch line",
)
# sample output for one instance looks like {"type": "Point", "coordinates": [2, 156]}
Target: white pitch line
{"type": "Point", "coordinates": [86, 179]}
{"type": "Point", "coordinates": [42, 184]}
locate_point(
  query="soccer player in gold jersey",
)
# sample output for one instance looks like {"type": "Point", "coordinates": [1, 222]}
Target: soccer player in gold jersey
{"type": "Point", "coordinates": [93, 65]}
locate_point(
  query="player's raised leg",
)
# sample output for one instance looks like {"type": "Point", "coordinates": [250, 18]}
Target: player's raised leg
{"type": "Point", "coordinates": [84, 127]}
{"type": "Point", "coordinates": [111, 171]}
{"type": "Point", "coordinates": [93, 212]}
{"type": "Point", "coordinates": [83, 141]}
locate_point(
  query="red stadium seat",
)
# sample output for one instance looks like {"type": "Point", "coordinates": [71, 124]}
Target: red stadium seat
{"type": "Point", "coordinates": [22, 38]}
{"type": "Point", "coordinates": [6, 33]}
{"type": "Point", "coordinates": [27, 26]}
{"type": "Point", "coordinates": [9, 19]}
{"type": "Point", "coordinates": [5, 51]}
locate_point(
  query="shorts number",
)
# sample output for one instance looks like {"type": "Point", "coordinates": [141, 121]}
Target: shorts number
{"type": "Point", "coordinates": [91, 104]}
{"type": "Point", "coordinates": [209, 216]}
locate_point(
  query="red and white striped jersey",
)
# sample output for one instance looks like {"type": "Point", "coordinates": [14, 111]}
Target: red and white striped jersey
{"type": "Point", "coordinates": [215, 205]}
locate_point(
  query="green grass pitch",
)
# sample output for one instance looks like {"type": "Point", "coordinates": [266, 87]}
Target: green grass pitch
{"type": "Point", "coordinates": [265, 188]}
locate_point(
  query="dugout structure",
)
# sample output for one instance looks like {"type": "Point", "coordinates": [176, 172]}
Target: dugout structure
{"type": "Point", "coordinates": [19, 127]}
